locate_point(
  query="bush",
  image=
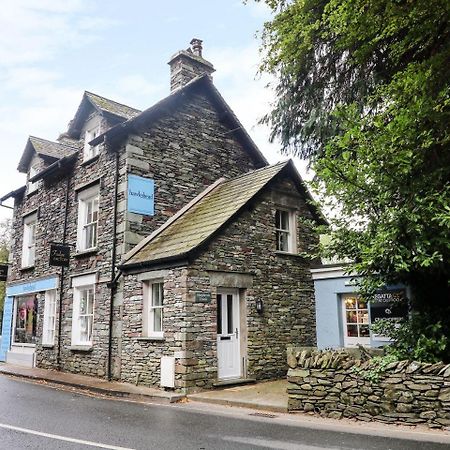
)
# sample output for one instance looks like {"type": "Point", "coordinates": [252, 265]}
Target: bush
{"type": "Point", "coordinates": [417, 338]}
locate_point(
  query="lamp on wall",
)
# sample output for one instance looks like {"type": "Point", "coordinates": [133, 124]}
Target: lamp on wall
{"type": "Point", "coordinates": [259, 306]}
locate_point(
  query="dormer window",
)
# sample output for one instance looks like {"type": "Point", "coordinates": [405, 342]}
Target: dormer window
{"type": "Point", "coordinates": [90, 151]}
{"type": "Point", "coordinates": [32, 187]}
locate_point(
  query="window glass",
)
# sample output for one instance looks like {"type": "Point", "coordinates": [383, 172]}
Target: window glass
{"type": "Point", "coordinates": [285, 231]}
{"type": "Point", "coordinates": [29, 241]}
{"type": "Point", "coordinates": [153, 309]}
{"type": "Point", "coordinates": [83, 310]}
{"type": "Point", "coordinates": [25, 320]}
{"type": "Point", "coordinates": [48, 333]}
{"type": "Point", "coordinates": [88, 219]}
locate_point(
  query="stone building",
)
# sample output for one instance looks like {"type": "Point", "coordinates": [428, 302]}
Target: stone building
{"type": "Point", "coordinates": [118, 175]}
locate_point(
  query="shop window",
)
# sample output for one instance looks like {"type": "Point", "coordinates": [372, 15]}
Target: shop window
{"type": "Point", "coordinates": [48, 331]}
{"type": "Point", "coordinates": [356, 321]}
{"type": "Point", "coordinates": [25, 320]}
{"type": "Point", "coordinates": [90, 151]}
{"type": "Point", "coordinates": [285, 231]}
{"type": "Point", "coordinates": [88, 207]}
{"type": "Point", "coordinates": [83, 309]}
{"type": "Point", "coordinates": [153, 307]}
{"type": "Point", "coordinates": [29, 240]}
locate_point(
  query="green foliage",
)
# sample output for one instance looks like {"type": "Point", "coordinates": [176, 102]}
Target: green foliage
{"type": "Point", "coordinates": [375, 368]}
{"type": "Point", "coordinates": [5, 237]}
{"type": "Point", "coordinates": [363, 91]}
{"type": "Point", "coordinates": [417, 339]}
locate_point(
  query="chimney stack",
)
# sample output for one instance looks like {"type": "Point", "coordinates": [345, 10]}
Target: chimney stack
{"type": "Point", "coordinates": [185, 65]}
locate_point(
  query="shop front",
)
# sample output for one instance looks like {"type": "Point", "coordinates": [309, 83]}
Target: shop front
{"type": "Point", "coordinates": [20, 320]}
{"type": "Point", "coordinates": [344, 318]}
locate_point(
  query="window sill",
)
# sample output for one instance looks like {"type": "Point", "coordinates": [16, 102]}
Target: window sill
{"type": "Point", "coordinates": [281, 253]}
{"type": "Point", "coordinates": [82, 253]}
{"type": "Point", "coordinates": [48, 346]}
{"type": "Point", "coordinates": [81, 348]}
{"type": "Point", "coordinates": [24, 269]}
{"type": "Point", "coordinates": [151, 338]}
{"type": "Point", "coordinates": [89, 161]}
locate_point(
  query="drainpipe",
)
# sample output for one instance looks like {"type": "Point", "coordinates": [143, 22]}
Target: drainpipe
{"type": "Point", "coordinates": [113, 282]}
{"type": "Point", "coordinates": [61, 280]}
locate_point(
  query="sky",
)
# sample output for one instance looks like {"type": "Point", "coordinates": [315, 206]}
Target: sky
{"type": "Point", "coordinates": [51, 51]}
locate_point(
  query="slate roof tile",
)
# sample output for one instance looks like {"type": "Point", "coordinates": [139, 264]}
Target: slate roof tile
{"type": "Point", "coordinates": [205, 217]}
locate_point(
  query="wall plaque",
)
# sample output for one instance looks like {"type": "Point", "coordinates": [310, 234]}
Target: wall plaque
{"type": "Point", "coordinates": [203, 297]}
{"type": "Point", "coordinates": [59, 255]}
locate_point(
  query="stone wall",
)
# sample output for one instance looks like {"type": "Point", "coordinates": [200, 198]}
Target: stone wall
{"type": "Point", "coordinates": [407, 392]}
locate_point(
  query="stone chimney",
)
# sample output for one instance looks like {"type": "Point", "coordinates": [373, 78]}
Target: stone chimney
{"type": "Point", "coordinates": [188, 64]}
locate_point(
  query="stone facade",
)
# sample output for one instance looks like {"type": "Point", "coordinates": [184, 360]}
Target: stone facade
{"type": "Point", "coordinates": [241, 256]}
{"type": "Point", "coordinates": [408, 392]}
{"type": "Point", "coordinates": [184, 150]}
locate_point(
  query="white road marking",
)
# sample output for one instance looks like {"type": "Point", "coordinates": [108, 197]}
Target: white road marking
{"type": "Point", "coordinates": [63, 438]}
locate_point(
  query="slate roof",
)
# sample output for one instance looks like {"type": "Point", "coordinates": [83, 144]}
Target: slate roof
{"type": "Point", "coordinates": [45, 148]}
{"type": "Point", "coordinates": [203, 218]}
{"type": "Point", "coordinates": [118, 112]}
{"type": "Point", "coordinates": [112, 107]}
{"type": "Point", "coordinates": [172, 101]}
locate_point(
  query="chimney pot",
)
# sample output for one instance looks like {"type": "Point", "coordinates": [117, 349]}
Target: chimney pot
{"type": "Point", "coordinates": [197, 47]}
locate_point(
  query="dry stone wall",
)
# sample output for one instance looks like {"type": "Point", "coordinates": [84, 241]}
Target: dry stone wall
{"type": "Point", "coordinates": [408, 392]}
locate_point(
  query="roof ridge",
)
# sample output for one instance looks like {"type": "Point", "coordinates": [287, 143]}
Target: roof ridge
{"type": "Point", "coordinates": [280, 163]}
{"type": "Point", "coordinates": [114, 101]}
{"type": "Point", "coordinates": [52, 142]}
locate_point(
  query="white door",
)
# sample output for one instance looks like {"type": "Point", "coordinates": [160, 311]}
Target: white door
{"type": "Point", "coordinates": [228, 335]}
{"type": "Point", "coordinates": [355, 320]}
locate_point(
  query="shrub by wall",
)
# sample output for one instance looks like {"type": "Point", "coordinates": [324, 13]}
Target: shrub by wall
{"type": "Point", "coordinates": [338, 383]}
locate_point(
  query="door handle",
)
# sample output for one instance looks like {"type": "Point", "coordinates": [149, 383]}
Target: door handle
{"type": "Point", "coordinates": [236, 332]}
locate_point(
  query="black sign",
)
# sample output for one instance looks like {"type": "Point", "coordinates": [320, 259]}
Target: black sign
{"type": "Point", "coordinates": [3, 272]}
{"type": "Point", "coordinates": [203, 297]}
{"type": "Point", "coordinates": [389, 305]}
{"type": "Point", "coordinates": [59, 255]}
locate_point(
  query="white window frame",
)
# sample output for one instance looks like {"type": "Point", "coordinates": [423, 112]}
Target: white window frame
{"type": "Point", "coordinates": [29, 240]}
{"type": "Point", "coordinates": [91, 151]}
{"type": "Point", "coordinates": [362, 320]}
{"type": "Point", "coordinates": [83, 285]}
{"type": "Point", "coordinates": [290, 232]}
{"type": "Point", "coordinates": [88, 197]}
{"type": "Point", "coordinates": [32, 187]}
{"type": "Point", "coordinates": [49, 325]}
{"type": "Point", "coordinates": [152, 289]}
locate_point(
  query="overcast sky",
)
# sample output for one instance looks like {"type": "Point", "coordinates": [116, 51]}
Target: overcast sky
{"type": "Point", "coordinates": [53, 50]}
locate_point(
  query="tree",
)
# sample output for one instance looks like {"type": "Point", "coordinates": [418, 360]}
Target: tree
{"type": "Point", "coordinates": [5, 237]}
{"type": "Point", "coordinates": [363, 92]}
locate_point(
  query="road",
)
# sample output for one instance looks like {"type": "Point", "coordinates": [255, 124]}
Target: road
{"type": "Point", "coordinates": [36, 416]}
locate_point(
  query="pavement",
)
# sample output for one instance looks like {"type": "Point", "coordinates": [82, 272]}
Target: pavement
{"type": "Point", "coordinates": [92, 384]}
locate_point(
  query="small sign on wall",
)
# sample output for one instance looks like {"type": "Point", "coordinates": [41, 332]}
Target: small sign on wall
{"type": "Point", "coordinates": [3, 272]}
{"type": "Point", "coordinates": [141, 195]}
{"type": "Point", "coordinates": [203, 297]}
{"type": "Point", "coordinates": [59, 255]}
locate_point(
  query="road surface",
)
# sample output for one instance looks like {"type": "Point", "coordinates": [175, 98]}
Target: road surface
{"type": "Point", "coordinates": [36, 416]}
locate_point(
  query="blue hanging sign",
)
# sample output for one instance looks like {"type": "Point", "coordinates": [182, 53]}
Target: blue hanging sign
{"type": "Point", "coordinates": [141, 195]}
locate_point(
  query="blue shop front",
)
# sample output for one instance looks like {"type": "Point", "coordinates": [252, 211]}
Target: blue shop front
{"type": "Point", "coordinates": [343, 318]}
{"type": "Point", "coordinates": [20, 319]}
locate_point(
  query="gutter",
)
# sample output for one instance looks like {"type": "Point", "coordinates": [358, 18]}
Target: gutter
{"type": "Point", "coordinates": [53, 167]}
